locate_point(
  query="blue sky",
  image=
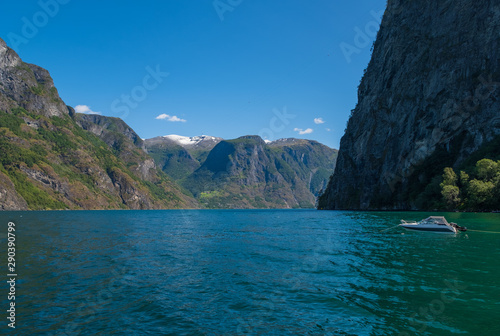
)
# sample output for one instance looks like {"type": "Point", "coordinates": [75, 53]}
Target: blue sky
{"type": "Point", "coordinates": [224, 68]}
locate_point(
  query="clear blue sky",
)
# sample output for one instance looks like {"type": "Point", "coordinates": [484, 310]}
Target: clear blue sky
{"type": "Point", "coordinates": [235, 67]}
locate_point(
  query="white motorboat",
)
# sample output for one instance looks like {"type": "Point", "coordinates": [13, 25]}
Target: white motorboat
{"type": "Point", "coordinates": [432, 224]}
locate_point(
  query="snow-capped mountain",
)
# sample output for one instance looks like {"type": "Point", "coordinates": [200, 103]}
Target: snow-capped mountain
{"type": "Point", "coordinates": [180, 155]}
{"type": "Point", "coordinates": [196, 141]}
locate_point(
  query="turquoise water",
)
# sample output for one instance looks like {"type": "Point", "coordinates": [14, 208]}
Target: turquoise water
{"type": "Point", "coordinates": [250, 272]}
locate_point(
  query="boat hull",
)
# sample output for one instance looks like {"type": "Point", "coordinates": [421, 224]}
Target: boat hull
{"type": "Point", "coordinates": [428, 229]}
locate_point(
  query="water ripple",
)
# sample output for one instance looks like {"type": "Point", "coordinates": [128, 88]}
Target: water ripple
{"type": "Point", "coordinates": [290, 272]}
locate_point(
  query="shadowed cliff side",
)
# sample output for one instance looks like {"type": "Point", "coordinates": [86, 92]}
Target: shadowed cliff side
{"type": "Point", "coordinates": [428, 100]}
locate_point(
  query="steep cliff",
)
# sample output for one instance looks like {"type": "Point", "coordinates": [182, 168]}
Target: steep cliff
{"type": "Point", "coordinates": [429, 99]}
{"type": "Point", "coordinates": [124, 142]}
{"type": "Point", "coordinates": [27, 86]}
{"type": "Point", "coordinates": [312, 162]}
{"type": "Point", "coordinates": [52, 158]}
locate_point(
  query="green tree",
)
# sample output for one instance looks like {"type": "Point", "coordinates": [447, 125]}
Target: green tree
{"type": "Point", "coordinates": [464, 185]}
{"type": "Point", "coordinates": [449, 188]}
{"type": "Point", "coordinates": [449, 177]}
{"type": "Point", "coordinates": [464, 179]}
{"type": "Point", "coordinates": [451, 195]}
{"type": "Point", "coordinates": [481, 194]}
{"type": "Point", "coordinates": [487, 169]}
{"type": "Point", "coordinates": [478, 192]}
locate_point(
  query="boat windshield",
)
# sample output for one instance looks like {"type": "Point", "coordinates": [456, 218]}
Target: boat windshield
{"type": "Point", "coordinates": [439, 220]}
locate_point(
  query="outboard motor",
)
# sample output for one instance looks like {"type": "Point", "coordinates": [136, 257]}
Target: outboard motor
{"type": "Point", "coordinates": [458, 227]}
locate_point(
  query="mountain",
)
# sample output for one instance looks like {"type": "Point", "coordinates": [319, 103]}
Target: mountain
{"type": "Point", "coordinates": [171, 157]}
{"type": "Point", "coordinates": [53, 158]}
{"type": "Point", "coordinates": [311, 161]}
{"type": "Point", "coordinates": [248, 173]}
{"type": "Point", "coordinates": [197, 146]}
{"type": "Point", "coordinates": [429, 99]}
{"type": "Point", "coordinates": [196, 143]}
{"type": "Point", "coordinates": [179, 156]}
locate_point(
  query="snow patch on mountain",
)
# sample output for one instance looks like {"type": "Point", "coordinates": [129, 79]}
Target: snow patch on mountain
{"type": "Point", "coordinates": [191, 141]}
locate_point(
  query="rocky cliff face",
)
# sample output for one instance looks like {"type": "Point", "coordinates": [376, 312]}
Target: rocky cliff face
{"type": "Point", "coordinates": [10, 199]}
{"type": "Point", "coordinates": [429, 98]}
{"type": "Point", "coordinates": [123, 140]}
{"type": "Point", "coordinates": [52, 158]}
{"type": "Point", "coordinates": [27, 86]}
{"type": "Point", "coordinates": [311, 161]}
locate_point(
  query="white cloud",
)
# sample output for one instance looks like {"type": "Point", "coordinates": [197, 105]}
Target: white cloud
{"type": "Point", "coordinates": [170, 118]}
{"type": "Point", "coordinates": [318, 121]}
{"type": "Point", "coordinates": [301, 131]}
{"type": "Point", "coordinates": [328, 130]}
{"type": "Point", "coordinates": [85, 109]}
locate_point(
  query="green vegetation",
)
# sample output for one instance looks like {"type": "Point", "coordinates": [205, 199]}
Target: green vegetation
{"type": "Point", "coordinates": [319, 180]}
{"type": "Point", "coordinates": [39, 90]}
{"type": "Point", "coordinates": [424, 184]}
{"type": "Point", "coordinates": [24, 67]}
{"type": "Point", "coordinates": [205, 195]}
{"type": "Point", "coordinates": [175, 162]}
{"type": "Point", "coordinates": [160, 190]}
{"type": "Point", "coordinates": [285, 170]}
{"type": "Point", "coordinates": [243, 141]}
{"type": "Point", "coordinates": [57, 163]}
{"type": "Point", "coordinates": [36, 198]}
{"type": "Point", "coordinates": [426, 190]}
{"type": "Point", "coordinates": [53, 93]}
{"type": "Point", "coordinates": [60, 141]}
{"type": "Point", "coordinates": [57, 149]}
{"type": "Point", "coordinates": [477, 191]}
{"type": "Point", "coordinates": [12, 122]}
{"type": "Point", "coordinates": [13, 155]}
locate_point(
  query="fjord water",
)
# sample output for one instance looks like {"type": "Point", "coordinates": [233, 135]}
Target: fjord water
{"type": "Point", "coordinates": [251, 272]}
